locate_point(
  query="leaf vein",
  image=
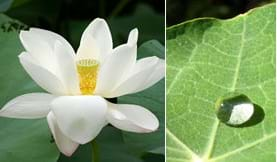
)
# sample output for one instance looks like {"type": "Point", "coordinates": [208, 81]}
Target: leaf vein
{"type": "Point", "coordinates": [245, 147]}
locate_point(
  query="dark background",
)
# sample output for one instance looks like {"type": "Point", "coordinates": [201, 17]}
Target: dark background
{"type": "Point", "coordinates": [178, 11]}
{"type": "Point", "coordinates": [70, 17]}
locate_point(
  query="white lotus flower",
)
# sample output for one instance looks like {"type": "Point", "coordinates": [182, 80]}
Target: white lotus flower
{"type": "Point", "coordinates": [75, 107]}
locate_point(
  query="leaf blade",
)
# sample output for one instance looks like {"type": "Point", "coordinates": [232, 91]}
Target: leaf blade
{"type": "Point", "coordinates": [208, 58]}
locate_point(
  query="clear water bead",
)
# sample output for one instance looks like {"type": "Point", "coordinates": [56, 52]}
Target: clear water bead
{"type": "Point", "coordinates": [234, 109]}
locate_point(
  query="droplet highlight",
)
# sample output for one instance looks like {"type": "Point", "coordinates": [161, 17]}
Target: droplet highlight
{"type": "Point", "coordinates": [234, 109]}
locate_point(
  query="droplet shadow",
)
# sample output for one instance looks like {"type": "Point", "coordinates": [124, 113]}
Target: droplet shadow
{"type": "Point", "coordinates": [257, 117]}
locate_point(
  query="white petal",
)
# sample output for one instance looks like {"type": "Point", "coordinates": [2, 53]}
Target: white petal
{"type": "Point", "coordinates": [118, 65]}
{"type": "Point", "coordinates": [88, 49]}
{"type": "Point", "coordinates": [68, 69]}
{"type": "Point", "coordinates": [132, 118]}
{"type": "Point", "coordinates": [57, 59]}
{"type": "Point", "coordinates": [156, 76]}
{"type": "Point", "coordinates": [138, 79]}
{"type": "Point", "coordinates": [28, 106]}
{"type": "Point", "coordinates": [65, 144]}
{"type": "Point", "coordinates": [97, 35]}
{"type": "Point", "coordinates": [39, 49]}
{"type": "Point", "coordinates": [133, 37]}
{"type": "Point", "coordinates": [41, 44]}
{"type": "Point", "coordinates": [44, 78]}
{"type": "Point", "coordinates": [80, 117]}
{"type": "Point", "coordinates": [51, 38]}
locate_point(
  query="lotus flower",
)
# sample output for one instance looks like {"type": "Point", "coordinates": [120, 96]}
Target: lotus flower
{"type": "Point", "coordinates": [78, 84]}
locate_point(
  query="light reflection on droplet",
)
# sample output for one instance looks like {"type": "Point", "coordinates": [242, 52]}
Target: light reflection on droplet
{"type": "Point", "coordinates": [234, 109]}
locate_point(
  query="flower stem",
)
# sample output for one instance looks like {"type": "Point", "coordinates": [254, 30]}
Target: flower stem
{"type": "Point", "coordinates": [95, 153]}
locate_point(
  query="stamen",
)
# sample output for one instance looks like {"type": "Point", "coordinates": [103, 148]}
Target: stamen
{"type": "Point", "coordinates": [87, 70]}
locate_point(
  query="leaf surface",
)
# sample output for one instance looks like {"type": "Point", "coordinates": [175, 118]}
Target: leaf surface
{"type": "Point", "coordinates": [207, 58]}
{"type": "Point", "coordinates": [109, 147]}
{"type": "Point", "coordinates": [20, 140]}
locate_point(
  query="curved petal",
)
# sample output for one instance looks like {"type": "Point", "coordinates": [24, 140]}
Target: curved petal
{"type": "Point", "coordinates": [67, 67]}
{"type": "Point", "coordinates": [88, 49]}
{"type": "Point", "coordinates": [133, 37]}
{"type": "Point", "coordinates": [156, 75]}
{"type": "Point", "coordinates": [98, 30]}
{"type": "Point", "coordinates": [65, 144]}
{"type": "Point", "coordinates": [39, 49]}
{"type": "Point", "coordinates": [51, 38]}
{"type": "Point", "coordinates": [44, 78]}
{"type": "Point", "coordinates": [28, 106]}
{"type": "Point", "coordinates": [138, 80]}
{"type": "Point", "coordinates": [115, 68]}
{"type": "Point", "coordinates": [132, 118]}
{"type": "Point", "coordinates": [40, 44]}
{"type": "Point", "coordinates": [81, 118]}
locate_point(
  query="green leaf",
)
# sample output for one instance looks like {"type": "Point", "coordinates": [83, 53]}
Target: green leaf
{"type": "Point", "coordinates": [10, 25]}
{"type": "Point", "coordinates": [151, 48]}
{"type": "Point", "coordinates": [83, 153]}
{"type": "Point", "coordinates": [110, 147]}
{"type": "Point", "coordinates": [14, 80]}
{"type": "Point", "coordinates": [152, 99]}
{"type": "Point", "coordinates": [26, 141]}
{"type": "Point", "coordinates": [21, 140]}
{"type": "Point", "coordinates": [207, 58]}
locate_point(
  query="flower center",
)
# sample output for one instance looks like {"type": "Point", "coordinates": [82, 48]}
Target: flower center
{"type": "Point", "coordinates": [87, 70]}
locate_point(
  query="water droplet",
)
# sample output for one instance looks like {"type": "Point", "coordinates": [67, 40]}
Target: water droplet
{"type": "Point", "coordinates": [234, 109]}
